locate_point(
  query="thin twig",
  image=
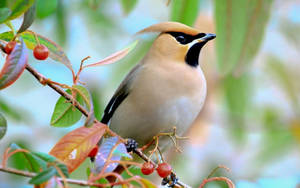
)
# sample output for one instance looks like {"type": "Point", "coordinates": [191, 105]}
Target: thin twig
{"type": "Point", "coordinates": [70, 181]}
{"type": "Point", "coordinates": [43, 80]}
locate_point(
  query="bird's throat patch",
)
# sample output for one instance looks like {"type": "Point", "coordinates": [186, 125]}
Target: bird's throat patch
{"type": "Point", "coordinates": [192, 56]}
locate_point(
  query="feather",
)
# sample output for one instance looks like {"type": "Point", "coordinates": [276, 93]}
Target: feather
{"type": "Point", "coordinates": [170, 27]}
{"type": "Point", "coordinates": [120, 95]}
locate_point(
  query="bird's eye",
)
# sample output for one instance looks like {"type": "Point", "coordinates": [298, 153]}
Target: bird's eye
{"type": "Point", "coordinates": [180, 39]}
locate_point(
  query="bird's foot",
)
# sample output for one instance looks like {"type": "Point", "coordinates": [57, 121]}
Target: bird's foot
{"type": "Point", "coordinates": [171, 180]}
{"type": "Point", "coordinates": [131, 145]}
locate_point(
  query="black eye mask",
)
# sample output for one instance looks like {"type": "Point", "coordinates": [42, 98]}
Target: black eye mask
{"type": "Point", "coordinates": [183, 38]}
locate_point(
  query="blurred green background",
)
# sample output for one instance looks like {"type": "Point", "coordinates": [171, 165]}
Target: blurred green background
{"type": "Point", "coordinates": [251, 119]}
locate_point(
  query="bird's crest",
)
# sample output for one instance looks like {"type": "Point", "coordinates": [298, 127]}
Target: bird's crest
{"type": "Point", "coordinates": [164, 27]}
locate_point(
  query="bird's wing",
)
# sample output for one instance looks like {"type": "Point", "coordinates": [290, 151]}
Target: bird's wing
{"type": "Point", "coordinates": [121, 93]}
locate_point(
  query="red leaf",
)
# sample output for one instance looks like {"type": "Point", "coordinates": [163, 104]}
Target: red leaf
{"type": "Point", "coordinates": [114, 57]}
{"type": "Point", "coordinates": [14, 65]}
{"type": "Point", "coordinates": [74, 147]}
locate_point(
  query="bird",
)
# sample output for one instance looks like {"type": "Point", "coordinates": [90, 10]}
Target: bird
{"type": "Point", "coordinates": [166, 89]}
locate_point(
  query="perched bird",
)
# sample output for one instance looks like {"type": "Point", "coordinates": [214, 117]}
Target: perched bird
{"type": "Point", "coordinates": [166, 89]}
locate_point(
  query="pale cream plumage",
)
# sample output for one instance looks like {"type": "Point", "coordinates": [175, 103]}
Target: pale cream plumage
{"type": "Point", "coordinates": [164, 90]}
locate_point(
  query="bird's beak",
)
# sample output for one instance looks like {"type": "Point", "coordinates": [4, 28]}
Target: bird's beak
{"type": "Point", "coordinates": [207, 37]}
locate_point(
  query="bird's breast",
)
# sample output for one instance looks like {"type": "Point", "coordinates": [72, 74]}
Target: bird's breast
{"type": "Point", "coordinates": [161, 98]}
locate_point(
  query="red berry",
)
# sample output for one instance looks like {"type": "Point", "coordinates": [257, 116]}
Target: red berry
{"type": "Point", "coordinates": [164, 169]}
{"type": "Point", "coordinates": [93, 152]}
{"type": "Point", "coordinates": [40, 52]}
{"type": "Point", "coordinates": [10, 46]}
{"type": "Point", "coordinates": [147, 168]}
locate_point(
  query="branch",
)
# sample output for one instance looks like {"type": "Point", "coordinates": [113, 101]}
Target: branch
{"type": "Point", "coordinates": [44, 81]}
{"type": "Point", "coordinates": [30, 175]}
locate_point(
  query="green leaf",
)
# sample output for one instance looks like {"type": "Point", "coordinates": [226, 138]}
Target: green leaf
{"type": "Point", "coordinates": [286, 80]}
{"type": "Point", "coordinates": [4, 14]}
{"type": "Point", "coordinates": [43, 176]}
{"type": "Point", "coordinates": [3, 126]}
{"type": "Point", "coordinates": [18, 7]}
{"type": "Point", "coordinates": [61, 22]}
{"type": "Point", "coordinates": [240, 27]}
{"type": "Point", "coordinates": [84, 93]}
{"type": "Point", "coordinates": [277, 138]}
{"type": "Point", "coordinates": [2, 3]}
{"type": "Point", "coordinates": [34, 163]}
{"type": "Point", "coordinates": [7, 36]}
{"type": "Point", "coordinates": [12, 111]}
{"type": "Point", "coordinates": [14, 65]}
{"type": "Point", "coordinates": [97, 103]}
{"type": "Point", "coordinates": [45, 8]}
{"type": "Point", "coordinates": [238, 94]}
{"type": "Point", "coordinates": [65, 114]}
{"type": "Point", "coordinates": [185, 11]}
{"type": "Point", "coordinates": [64, 169]}
{"type": "Point", "coordinates": [44, 156]}
{"type": "Point", "coordinates": [28, 19]}
{"type": "Point", "coordinates": [128, 5]}
{"type": "Point", "coordinates": [290, 30]}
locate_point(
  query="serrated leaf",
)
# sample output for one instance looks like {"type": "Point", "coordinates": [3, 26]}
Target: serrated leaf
{"type": "Point", "coordinates": [3, 126]}
{"type": "Point", "coordinates": [114, 57]}
{"type": "Point", "coordinates": [18, 7]}
{"type": "Point", "coordinates": [185, 11]}
{"type": "Point", "coordinates": [106, 147]}
{"type": "Point", "coordinates": [28, 19]}
{"type": "Point", "coordinates": [44, 156]}
{"type": "Point", "coordinates": [128, 5]}
{"type": "Point", "coordinates": [65, 114]}
{"type": "Point", "coordinates": [4, 14]}
{"type": "Point", "coordinates": [43, 176]}
{"type": "Point", "coordinates": [240, 28]}
{"type": "Point", "coordinates": [74, 147]}
{"type": "Point", "coordinates": [14, 65]}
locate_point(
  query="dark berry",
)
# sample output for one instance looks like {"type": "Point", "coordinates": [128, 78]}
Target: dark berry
{"type": "Point", "coordinates": [131, 145]}
{"type": "Point", "coordinates": [93, 152]}
{"type": "Point", "coordinates": [147, 168]}
{"type": "Point", "coordinates": [41, 52]}
{"type": "Point", "coordinates": [164, 169]}
{"type": "Point", "coordinates": [10, 46]}
{"type": "Point", "coordinates": [165, 181]}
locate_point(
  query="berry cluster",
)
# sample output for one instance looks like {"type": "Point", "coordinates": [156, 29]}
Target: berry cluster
{"type": "Point", "coordinates": [40, 51]}
{"type": "Point", "coordinates": [131, 145]}
{"type": "Point", "coordinates": [163, 169]}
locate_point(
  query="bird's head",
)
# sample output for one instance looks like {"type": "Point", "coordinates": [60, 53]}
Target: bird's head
{"type": "Point", "coordinates": [178, 42]}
